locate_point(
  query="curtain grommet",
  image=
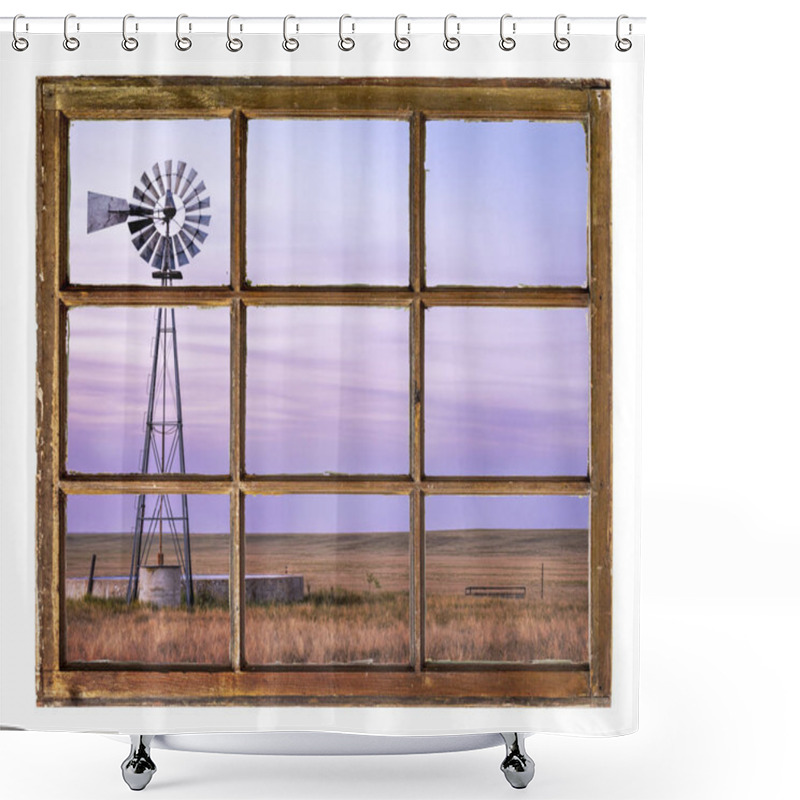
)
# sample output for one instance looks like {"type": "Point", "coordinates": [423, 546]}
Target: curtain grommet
{"type": "Point", "coordinates": [289, 43]}
{"type": "Point", "coordinates": [401, 43]}
{"type": "Point", "coordinates": [561, 43]}
{"type": "Point", "coordinates": [233, 43]}
{"type": "Point", "coordinates": [346, 43]}
{"type": "Point", "coordinates": [71, 43]}
{"type": "Point", "coordinates": [507, 43]}
{"type": "Point", "coordinates": [623, 44]}
{"type": "Point", "coordinates": [129, 43]}
{"type": "Point", "coordinates": [19, 43]}
{"type": "Point", "coordinates": [451, 43]}
{"type": "Point", "coordinates": [183, 43]}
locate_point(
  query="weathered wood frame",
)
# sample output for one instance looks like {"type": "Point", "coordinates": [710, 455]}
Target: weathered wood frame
{"type": "Point", "coordinates": [61, 100]}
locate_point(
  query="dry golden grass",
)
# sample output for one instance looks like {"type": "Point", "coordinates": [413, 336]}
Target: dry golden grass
{"type": "Point", "coordinates": [108, 630]}
{"type": "Point", "coordinates": [493, 629]}
{"type": "Point", "coordinates": [356, 608]}
{"type": "Point", "coordinates": [368, 628]}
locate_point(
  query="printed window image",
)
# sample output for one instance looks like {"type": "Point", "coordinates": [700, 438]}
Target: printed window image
{"type": "Point", "coordinates": [328, 398]}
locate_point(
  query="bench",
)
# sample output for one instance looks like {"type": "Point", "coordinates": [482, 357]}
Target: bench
{"type": "Point", "coordinates": [511, 592]}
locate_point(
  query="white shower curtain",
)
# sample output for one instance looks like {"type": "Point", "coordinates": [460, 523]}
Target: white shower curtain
{"type": "Point", "coordinates": [408, 392]}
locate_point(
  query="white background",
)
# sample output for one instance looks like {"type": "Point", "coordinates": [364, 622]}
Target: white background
{"type": "Point", "coordinates": [720, 605]}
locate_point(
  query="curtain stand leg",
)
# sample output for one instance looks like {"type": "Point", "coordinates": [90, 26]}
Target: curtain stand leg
{"type": "Point", "coordinates": [517, 766]}
{"type": "Point", "coordinates": [138, 768]}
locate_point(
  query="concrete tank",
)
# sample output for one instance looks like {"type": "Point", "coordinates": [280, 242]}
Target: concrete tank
{"type": "Point", "coordinates": [160, 586]}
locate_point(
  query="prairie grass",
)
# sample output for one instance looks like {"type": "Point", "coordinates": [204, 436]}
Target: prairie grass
{"type": "Point", "coordinates": [110, 630]}
{"type": "Point", "coordinates": [356, 609]}
{"type": "Point", "coordinates": [551, 622]}
{"type": "Point", "coordinates": [495, 629]}
{"type": "Point", "coordinates": [332, 626]}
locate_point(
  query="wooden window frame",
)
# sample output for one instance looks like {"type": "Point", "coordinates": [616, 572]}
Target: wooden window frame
{"type": "Point", "coordinates": [62, 100]}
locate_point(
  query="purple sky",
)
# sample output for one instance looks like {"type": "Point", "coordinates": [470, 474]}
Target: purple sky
{"type": "Point", "coordinates": [327, 390]}
{"type": "Point", "coordinates": [327, 201]}
{"type": "Point", "coordinates": [116, 513]}
{"type": "Point", "coordinates": [109, 363]}
{"type": "Point", "coordinates": [448, 513]}
{"type": "Point", "coordinates": [506, 203]}
{"type": "Point", "coordinates": [325, 513]}
{"type": "Point", "coordinates": [507, 391]}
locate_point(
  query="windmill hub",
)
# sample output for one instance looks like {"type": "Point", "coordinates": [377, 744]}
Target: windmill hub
{"type": "Point", "coordinates": [169, 211]}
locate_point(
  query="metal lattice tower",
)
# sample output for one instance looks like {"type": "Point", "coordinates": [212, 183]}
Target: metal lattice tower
{"type": "Point", "coordinates": [166, 225]}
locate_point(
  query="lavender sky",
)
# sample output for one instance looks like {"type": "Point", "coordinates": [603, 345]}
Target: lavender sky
{"type": "Point", "coordinates": [327, 201]}
{"type": "Point", "coordinates": [327, 513]}
{"type": "Point", "coordinates": [327, 388]}
{"type": "Point", "coordinates": [506, 203]}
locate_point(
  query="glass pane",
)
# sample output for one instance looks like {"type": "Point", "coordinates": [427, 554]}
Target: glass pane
{"type": "Point", "coordinates": [149, 200]}
{"type": "Point", "coordinates": [506, 203]}
{"type": "Point", "coordinates": [157, 626]}
{"type": "Point", "coordinates": [507, 391]}
{"type": "Point", "coordinates": [327, 390]}
{"type": "Point", "coordinates": [122, 392]}
{"type": "Point", "coordinates": [327, 201]}
{"type": "Point", "coordinates": [507, 578]}
{"type": "Point", "coordinates": [327, 579]}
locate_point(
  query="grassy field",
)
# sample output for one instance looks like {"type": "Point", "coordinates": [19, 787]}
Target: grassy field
{"type": "Point", "coordinates": [356, 608]}
{"type": "Point", "coordinates": [549, 624]}
{"type": "Point", "coordinates": [210, 554]}
{"type": "Point", "coordinates": [110, 630]}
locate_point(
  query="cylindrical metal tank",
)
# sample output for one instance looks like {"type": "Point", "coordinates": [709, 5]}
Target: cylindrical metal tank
{"type": "Point", "coordinates": [160, 586]}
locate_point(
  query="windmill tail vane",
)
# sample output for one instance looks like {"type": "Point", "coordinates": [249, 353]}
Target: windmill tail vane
{"type": "Point", "coordinates": [166, 218]}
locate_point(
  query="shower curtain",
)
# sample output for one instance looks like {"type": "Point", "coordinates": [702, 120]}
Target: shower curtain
{"type": "Point", "coordinates": [321, 360]}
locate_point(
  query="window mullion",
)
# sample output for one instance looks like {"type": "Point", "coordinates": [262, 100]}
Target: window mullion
{"type": "Point", "coordinates": [238, 357]}
{"type": "Point", "coordinates": [417, 228]}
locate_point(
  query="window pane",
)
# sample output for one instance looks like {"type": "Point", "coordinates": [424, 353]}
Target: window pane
{"type": "Point", "coordinates": [327, 390]}
{"type": "Point", "coordinates": [507, 578]}
{"type": "Point", "coordinates": [157, 627]}
{"type": "Point", "coordinates": [506, 203]}
{"type": "Point", "coordinates": [111, 373]}
{"type": "Point", "coordinates": [507, 391]}
{"type": "Point", "coordinates": [145, 194]}
{"type": "Point", "coordinates": [327, 201]}
{"type": "Point", "coordinates": [327, 579]}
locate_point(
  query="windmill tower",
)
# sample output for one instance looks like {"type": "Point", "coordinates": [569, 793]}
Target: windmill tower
{"type": "Point", "coordinates": [166, 221]}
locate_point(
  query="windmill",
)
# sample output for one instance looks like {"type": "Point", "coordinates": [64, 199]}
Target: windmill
{"type": "Point", "coordinates": [166, 221]}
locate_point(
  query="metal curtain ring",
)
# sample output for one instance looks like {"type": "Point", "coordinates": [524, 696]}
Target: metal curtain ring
{"type": "Point", "coordinates": [129, 43]}
{"type": "Point", "coordinates": [70, 42]}
{"type": "Point", "coordinates": [181, 42]}
{"type": "Point", "coordinates": [623, 45]}
{"type": "Point", "coordinates": [233, 44]}
{"type": "Point", "coordinates": [561, 43]}
{"type": "Point", "coordinates": [506, 42]}
{"type": "Point", "coordinates": [401, 42]}
{"type": "Point", "coordinates": [19, 43]}
{"type": "Point", "coordinates": [345, 42]}
{"type": "Point", "coordinates": [451, 42]}
{"type": "Point", "coordinates": [289, 44]}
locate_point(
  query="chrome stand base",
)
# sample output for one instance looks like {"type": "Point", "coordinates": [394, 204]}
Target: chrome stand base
{"type": "Point", "coordinates": [517, 766]}
{"type": "Point", "coordinates": [138, 768]}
